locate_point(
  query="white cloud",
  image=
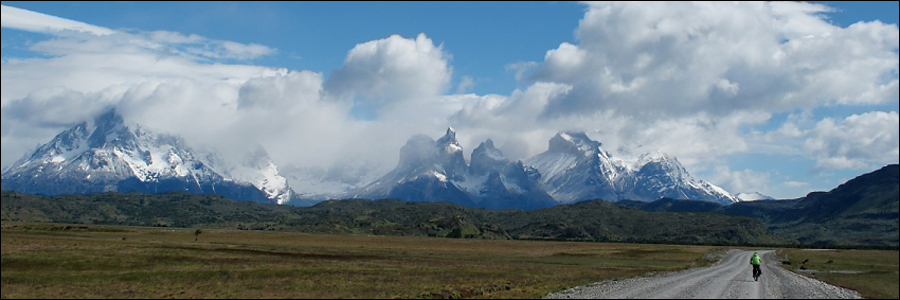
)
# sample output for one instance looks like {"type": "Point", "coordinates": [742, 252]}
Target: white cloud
{"type": "Point", "coordinates": [745, 181]}
{"type": "Point", "coordinates": [522, 69]}
{"type": "Point", "coordinates": [245, 51]}
{"type": "Point", "coordinates": [693, 79]}
{"type": "Point", "coordinates": [228, 50]}
{"type": "Point", "coordinates": [678, 58]}
{"type": "Point", "coordinates": [465, 84]}
{"type": "Point", "coordinates": [281, 93]}
{"type": "Point", "coordinates": [148, 76]}
{"type": "Point", "coordinates": [795, 184]}
{"type": "Point", "coordinates": [513, 122]}
{"type": "Point", "coordinates": [164, 81]}
{"type": "Point", "coordinates": [392, 69]}
{"type": "Point", "coordinates": [87, 63]}
{"type": "Point", "coordinates": [17, 18]}
{"type": "Point", "coordinates": [208, 48]}
{"type": "Point", "coordinates": [855, 142]}
{"type": "Point", "coordinates": [55, 107]}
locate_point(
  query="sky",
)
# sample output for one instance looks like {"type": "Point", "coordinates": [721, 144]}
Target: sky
{"type": "Point", "coordinates": [781, 98]}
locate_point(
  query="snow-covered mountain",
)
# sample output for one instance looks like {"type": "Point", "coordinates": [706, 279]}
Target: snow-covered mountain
{"type": "Point", "coordinates": [753, 196]}
{"type": "Point", "coordinates": [432, 170]}
{"type": "Point", "coordinates": [576, 168]}
{"type": "Point", "coordinates": [106, 154]}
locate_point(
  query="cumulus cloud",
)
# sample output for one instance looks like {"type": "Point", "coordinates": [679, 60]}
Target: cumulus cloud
{"type": "Point", "coordinates": [856, 142]}
{"type": "Point", "coordinates": [678, 58]}
{"type": "Point", "coordinates": [392, 69]}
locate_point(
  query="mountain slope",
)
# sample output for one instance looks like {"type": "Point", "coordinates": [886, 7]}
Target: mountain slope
{"type": "Point", "coordinates": [106, 154]}
{"type": "Point", "coordinates": [870, 194]}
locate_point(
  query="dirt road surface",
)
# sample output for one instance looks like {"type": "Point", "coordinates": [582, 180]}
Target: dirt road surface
{"type": "Point", "coordinates": [729, 278]}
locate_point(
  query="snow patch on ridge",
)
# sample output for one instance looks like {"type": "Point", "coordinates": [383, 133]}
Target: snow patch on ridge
{"type": "Point", "coordinates": [439, 176]}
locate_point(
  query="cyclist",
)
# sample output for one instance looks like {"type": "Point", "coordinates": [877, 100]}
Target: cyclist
{"type": "Point", "coordinates": [755, 261]}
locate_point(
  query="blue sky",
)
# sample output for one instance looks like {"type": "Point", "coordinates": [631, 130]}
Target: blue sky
{"type": "Point", "coordinates": [822, 111]}
{"type": "Point", "coordinates": [483, 37]}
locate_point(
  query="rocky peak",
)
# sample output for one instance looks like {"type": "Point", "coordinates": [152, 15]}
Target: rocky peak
{"type": "Point", "coordinates": [576, 143]}
{"type": "Point", "coordinates": [451, 156]}
{"type": "Point", "coordinates": [486, 157]}
{"type": "Point", "coordinates": [108, 127]}
{"type": "Point", "coordinates": [444, 155]}
{"type": "Point", "coordinates": [448, 142]}
{"type": "Point", "coordinates": [661, 163]}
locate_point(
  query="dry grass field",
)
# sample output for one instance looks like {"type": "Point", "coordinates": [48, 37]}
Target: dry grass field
{"type": "Point", "coordinates": [43, 260]}
{"type": "Point", "coordinates": [46, 260]}
{"type": "Point", "coordinates": [873, 273]}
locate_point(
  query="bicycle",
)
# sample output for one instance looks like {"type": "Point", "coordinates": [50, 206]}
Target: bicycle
{"type": "Point", "coordinates": [756, 272]}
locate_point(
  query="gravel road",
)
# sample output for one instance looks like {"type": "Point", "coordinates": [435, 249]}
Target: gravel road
{"type": "Point", "coordinates": [729, 278]}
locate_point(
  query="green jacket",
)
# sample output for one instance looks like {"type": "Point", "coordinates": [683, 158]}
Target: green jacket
{"type": "Point", "coordinates": [754, 260]}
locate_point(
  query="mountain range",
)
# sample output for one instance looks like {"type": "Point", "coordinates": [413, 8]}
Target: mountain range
{"type": "Point", "coordinates": [108, 154]}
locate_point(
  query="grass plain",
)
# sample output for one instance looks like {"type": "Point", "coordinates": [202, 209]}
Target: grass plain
{"type": "Point", "coordinates": [49, 260]}
{"type": "Point", "coordinates": [873, 273]}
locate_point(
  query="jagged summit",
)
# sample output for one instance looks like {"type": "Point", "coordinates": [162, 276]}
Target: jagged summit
{"type": "Point", "coordinates": [573, 142]}
{"type": "Point", "coordinates": [444, 156]}
{"type": "Point", "coordinates": [486, 157]}
{"type": "Point", "coordinates": [450, 135]}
